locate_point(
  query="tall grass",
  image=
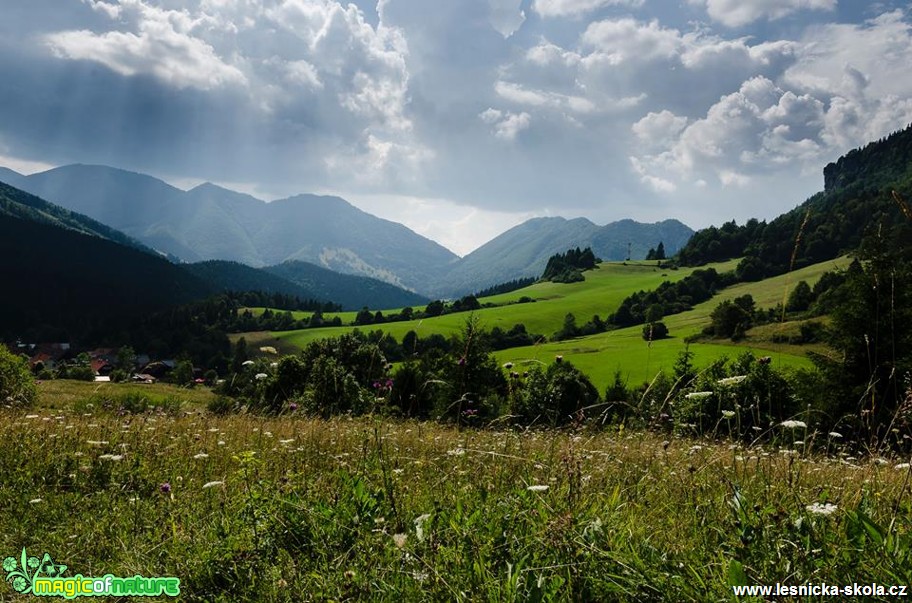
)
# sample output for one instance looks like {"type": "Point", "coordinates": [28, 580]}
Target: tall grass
{"type": "Point", "coordinates": [294, 509]}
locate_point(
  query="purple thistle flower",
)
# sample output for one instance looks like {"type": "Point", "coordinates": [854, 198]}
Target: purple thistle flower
{"type": "Point", "coordinates": [462, 361]}
{"type": "Point", "coordinates": [165, 488]}
{"type": "Point", "coordinates": [292, 407]}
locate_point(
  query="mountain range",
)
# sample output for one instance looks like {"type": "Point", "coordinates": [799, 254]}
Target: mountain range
{"type": "Point", "coordinates": [214, 223]}
{"type": "Point", "coordinates": [524, 250]}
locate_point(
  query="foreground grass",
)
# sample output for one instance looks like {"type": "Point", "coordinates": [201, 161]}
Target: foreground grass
{"type": "Point", "coordinates": [294, 509]}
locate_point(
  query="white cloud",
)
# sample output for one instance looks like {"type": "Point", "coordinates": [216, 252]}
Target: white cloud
{"type": "Point", "coordinates": [506, 16]}
{"type": "Point", "coordinates": [506, 125]}
{"type": "Point", "coordinates": [620, 40]}
{"type": "Point", "coordinates": [164, 45]}
{"type": "Point", "coordinates": [576, 8]}
{"type": "Point", "coordinates": [659, 129]}
{"type": "Point", "coordinates": [735, 13]}
{"type": "Point", "coordinates": [760, 128]}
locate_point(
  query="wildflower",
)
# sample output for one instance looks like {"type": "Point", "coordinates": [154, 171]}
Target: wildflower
{"type": "Point", "coordinates": [728, 414]}
{"type": "Point", "coordinates": [821, 509]}
{"type": "Point", "coordinates": [732, 380]}
{"type": "Point", "coordinates": [461, 361]}
{"type": "Point", "coordinates": [698, 395]}
{"type": "Point", "coordinates": [32, 416]}
{"type": "Point", "coordinates": [260, 376]}
{"type": "Point", "coordinates": [537, 488]}
{"type": "Point", "coordinates": [792, 424]}
{"type": "Point", "coordinates": [835, 434]}
{"type": "Point", "coordinates": [165, 488]}
{"type": "Point", "coordinates": [419, 525]}
{"type": "Point", "coordinates": [247, 363]}
{"type": "Point", "coordinates": [111, 457]}
{"type": "Point", "coordinates": [201, 455]}
{"type": "Point", "coordinates": [35, 501]}
{"type": "Point", "coordinates": [459, 451]}
{"type": "Point", "coordinates": [558, 359]}
{"type": "Point", "coordinates": [902, 466]}
{"type": "Point", "coordinates": [286, 442]}
{"type": "Point", "coordinates": [292, 407]}
{"type": "Point", "coordinates": [508, 365]}
{"type": "Point", "coordinates": [399, 539]}
{"type": "Point", "coordinates": [208, 485]}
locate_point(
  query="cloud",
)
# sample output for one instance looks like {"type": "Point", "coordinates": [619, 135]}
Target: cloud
{"type": "Point", "coordinates": [576, 8]}
{"type": "Point", "coordinates": [736, 13]}
{"type": "Point", "coordinates": [760, 128]}
{"type": "Point", "coordinates": [163, 46]}
{"type": "Point", "coordinates": [507, 125]}
{"type": "Point", "coordinates": [506, 16]}
{"type": "Point", "coordinates": [620, 40]}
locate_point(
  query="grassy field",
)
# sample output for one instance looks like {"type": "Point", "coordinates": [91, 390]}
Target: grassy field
{"type": "Point", "coordinates": [624, 350]}
{"type": "Point", "coordinates": [601, 293]}
{"type": "Point", "coordinates": [246, 508]}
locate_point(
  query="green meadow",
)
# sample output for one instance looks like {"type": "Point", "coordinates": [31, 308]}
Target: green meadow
{"type": "Point", "coordinates": [601, 355]}
{"type": "Point", "coordinates": [290, 508]}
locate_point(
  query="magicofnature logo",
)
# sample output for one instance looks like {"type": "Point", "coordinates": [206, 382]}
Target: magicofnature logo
{"type": "Point", "coordinates": [44, 578]}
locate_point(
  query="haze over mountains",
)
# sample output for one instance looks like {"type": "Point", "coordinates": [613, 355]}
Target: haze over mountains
{"type": "Point", "coordinates": [213, 223]}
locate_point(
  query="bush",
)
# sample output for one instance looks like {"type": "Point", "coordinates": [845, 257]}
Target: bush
{"type": "Point", "coordinates": [655, 330]}
{"type": "Point", "coordinates": [17, 386]}
{"type": "Point", "coordinates": [555, 396]}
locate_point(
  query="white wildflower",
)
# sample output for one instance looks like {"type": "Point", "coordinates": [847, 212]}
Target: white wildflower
{"type": "Point", "coordinates": [208, 485]}
{"type": "Point", "coordinates": [261, 376]}
{"type": "Point", "coordinates": [821, 509]}
{"type": "Point", "coordinates": [728, 414]}
{"type": "Point", "coordinates": [458, 451]}
{"type": "Point", "coordinates": [32, 416]}
{"type": "Point", "coordinates": [286, 442]}
{"type": "Point", "coordinates": [419, 526]}
{"type": "Point", "coordinates": [537, 488]}
{"type": "Point", "coordinates": [36, 501]}
{"type": "Point", "coordinates": [835, 434]}
{"type": "Point", "coordinates": [247, 363]}
{"type": "Point", "coordinates": [698, 395]}
{"type": "Point", "coordinates": [201, 455]}
{"type": "Point", "coordinates": [792, 424]}
{"type": "Point", "coordinates": [111, 457]}
{"type": "Point", "coordinates": [96, 442]}
{"type": "Point", "coordinates": [902, 466]}
{"type": "Point", "coordinates": [732, 380]}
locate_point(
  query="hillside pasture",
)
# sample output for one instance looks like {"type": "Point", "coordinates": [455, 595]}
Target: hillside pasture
{"type": "Point", "coordinates": [601, 293]}
{"type": "Point", "coordinates": [638, 361]}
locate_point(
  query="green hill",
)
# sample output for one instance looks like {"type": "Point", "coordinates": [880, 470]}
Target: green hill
{"type": "Point", "coordinates": [67, 277]}
{"type": "Point", "coordinates": [602, 354]}
{"type": "Point", "coordinates": [857, 199]}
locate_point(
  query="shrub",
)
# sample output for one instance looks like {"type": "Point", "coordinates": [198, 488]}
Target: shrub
{"type": "Point", "coordinates": [655, 330]}
{"type": "Point", "coordinates": [17, 386]}
{"type": "Point", "coordinates": [554, 396]}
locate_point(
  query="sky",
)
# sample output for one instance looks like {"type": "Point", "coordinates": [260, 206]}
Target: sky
{"type": "Point", "coordinates": [462, 118]}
